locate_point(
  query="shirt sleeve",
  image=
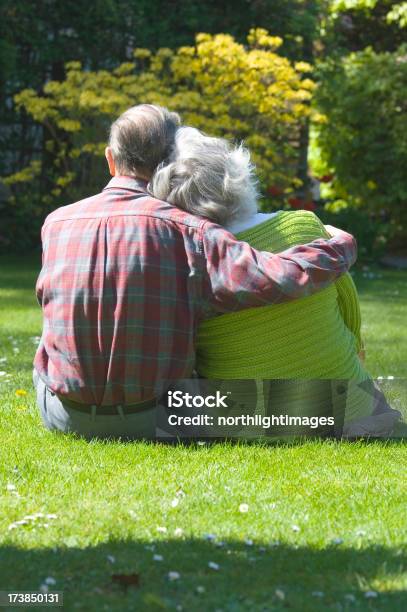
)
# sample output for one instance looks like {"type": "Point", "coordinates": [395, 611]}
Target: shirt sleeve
{"type": "Point", "coordinates": [237, 276]}
{"type": "Point", "coordinates": [38, 284]}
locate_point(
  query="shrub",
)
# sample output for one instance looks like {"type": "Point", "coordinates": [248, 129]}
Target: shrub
{"type": "Point", "coordinates": [363, 132]}
{"type": "Point", "coordinates": [372, 231]}
{"type": "Point", "coordinates": [220, 86]}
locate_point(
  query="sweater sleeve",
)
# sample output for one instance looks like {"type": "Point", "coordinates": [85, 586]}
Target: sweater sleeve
{"type": "Point", "coordinates": [349, 306]}
{"type": "Point", "coordinates": [348, 301]}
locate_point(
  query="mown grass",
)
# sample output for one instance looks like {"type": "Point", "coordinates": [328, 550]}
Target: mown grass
{"type": "Point", "coordinates": [325, 524]}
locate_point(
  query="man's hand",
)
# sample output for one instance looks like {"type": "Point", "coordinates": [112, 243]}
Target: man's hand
{"type": "Point", "coordinates": [362, 355]}
{"type": "Point", "coordinates": [362, 352]}
{"type": "Point", "coordinates": [337, 233]}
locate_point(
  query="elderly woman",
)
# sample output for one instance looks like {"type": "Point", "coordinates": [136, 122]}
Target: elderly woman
{"type": "Point", "coordinates": [308, 348]}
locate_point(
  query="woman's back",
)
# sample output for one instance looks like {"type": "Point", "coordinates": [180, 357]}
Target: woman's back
{"type": "Point", "coordinates": [303, 339]}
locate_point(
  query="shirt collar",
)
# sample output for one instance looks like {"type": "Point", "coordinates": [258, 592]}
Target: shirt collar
{"type": "Point", "coordinates": [127, 182]}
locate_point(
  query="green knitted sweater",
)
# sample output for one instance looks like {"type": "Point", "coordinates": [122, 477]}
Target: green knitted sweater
{"type": "Point", "coordinates": [315, 337]}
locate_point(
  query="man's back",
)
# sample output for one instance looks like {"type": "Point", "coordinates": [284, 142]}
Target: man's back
{"type": "Point", "coordinates": [120, 289]}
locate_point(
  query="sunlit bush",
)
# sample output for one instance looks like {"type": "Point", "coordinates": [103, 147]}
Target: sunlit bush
{"type": "Point", "coordinates": [363, 134]}
{"type": "Point", "coordinates": [248, 93]}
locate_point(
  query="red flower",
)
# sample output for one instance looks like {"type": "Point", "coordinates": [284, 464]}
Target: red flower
{"type": "Point", "coordinates": [327, 178]}
{"type": "Point", "coordinates": [310, 205]}
{"type": "Point", "coordinates": [295, 202]}
{"type": "Point", "coordinates": [274, 190]}
{"type": "Point", "coordinates": [299, 204]}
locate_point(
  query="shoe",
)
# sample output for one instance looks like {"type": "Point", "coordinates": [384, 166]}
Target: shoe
{"type": "Point", "coordinates": [373, 426]}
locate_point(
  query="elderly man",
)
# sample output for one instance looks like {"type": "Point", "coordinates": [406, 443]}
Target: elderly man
{"type": "Point", "coordinates": [126, 279]}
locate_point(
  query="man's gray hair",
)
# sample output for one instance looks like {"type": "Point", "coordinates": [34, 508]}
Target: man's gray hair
{"type": "Point", "coordinates": [208, 177]}
{"type": "Point", "coordinates": [141, 138]}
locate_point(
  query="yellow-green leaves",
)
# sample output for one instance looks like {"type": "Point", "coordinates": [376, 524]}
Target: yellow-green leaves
{"type": "Point", "coordinates": [248, 93]}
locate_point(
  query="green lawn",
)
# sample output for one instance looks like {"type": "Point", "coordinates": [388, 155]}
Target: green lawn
{"type": "Point", "coordinates": [325, 524]}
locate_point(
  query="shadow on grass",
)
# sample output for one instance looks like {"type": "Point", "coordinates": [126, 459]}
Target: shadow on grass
{"type": "Point", "coordinates": [18, 276]}
{"type": "Point", "coordinates": [247, 579]}
{"type": "Point", "coordinates": [19, 299]}
{"type": "Point", "coordinates": [391, 287]}
{"type": "Point", "coordinates": [19, 272]}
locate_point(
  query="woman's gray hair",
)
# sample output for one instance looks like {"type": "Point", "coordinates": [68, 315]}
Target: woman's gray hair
{"type": "Point", "coordinates": [142, 137]}
{"type": "Point", "coordinates": [208, 177]}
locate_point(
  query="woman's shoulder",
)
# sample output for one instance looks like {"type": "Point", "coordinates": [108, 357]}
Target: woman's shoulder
{"type": "Point", "coordinates": [295, 216]}
{"type": "Point", "coordinates": [302, 220]}
{"type": "Point", "coordinates": [283, 230]}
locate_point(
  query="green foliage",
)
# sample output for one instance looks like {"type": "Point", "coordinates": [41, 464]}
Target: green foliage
{"type": "Point", "coordinates": [39, 38]}
{"type": "Point", "coordinates": [398, 14]}
{"type": "Point", "coordinates": [353, 25]}
{"type": "Point", "coordinates": [363, 134]}
{"type": "Point", "coordinates": [247, 93]}
{"type": "Point", "coordinates": [53, 139]}
{"type": "Point", "coordinates": [371, 231]}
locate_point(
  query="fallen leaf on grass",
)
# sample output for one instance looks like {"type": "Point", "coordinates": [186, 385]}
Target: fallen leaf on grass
{"type": "Point", "coordinates": [126, 580]}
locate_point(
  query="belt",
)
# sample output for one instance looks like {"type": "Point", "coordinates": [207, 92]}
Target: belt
{"type": "Point", "coordinates": [114, 409]}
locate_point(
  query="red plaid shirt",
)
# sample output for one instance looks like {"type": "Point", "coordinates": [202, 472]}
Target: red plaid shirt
{"type": "Point", "coordinates": [127, 278]}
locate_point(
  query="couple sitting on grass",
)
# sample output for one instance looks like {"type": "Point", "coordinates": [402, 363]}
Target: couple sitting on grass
{"type": "Point", "coordinates": [171, 270]}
